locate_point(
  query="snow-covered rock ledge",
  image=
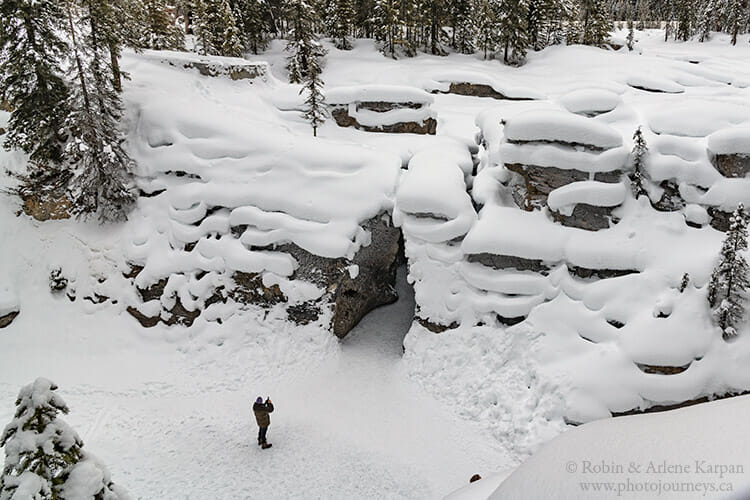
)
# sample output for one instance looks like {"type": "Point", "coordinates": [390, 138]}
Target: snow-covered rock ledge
{"type": "Point", "coordinates": [235, 68]}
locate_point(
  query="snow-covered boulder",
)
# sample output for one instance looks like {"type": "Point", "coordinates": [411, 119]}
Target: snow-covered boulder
{"type": "Point", "coordinates": [653, 83]}
{"type": "Point", "coordinates": [730, 150]}
{"type": "Point", "coordinates": [476, 84]}
{"type": "Point", "coordinates": [561, 127]}
{"type": "Point", "coordinates": [235, 68]}
{"type": "Point", "coordinates": [586, 204]}
{"type": "Point", "coordinates": [590, 102]}
{"type": "Point", "coordinates": [383, 108]}
{"type": "Point", "coordinates": [9, 307]}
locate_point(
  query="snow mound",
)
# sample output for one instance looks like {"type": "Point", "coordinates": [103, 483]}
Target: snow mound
{"type": "Point", "coordinates": [730, 141]}
{"type": "Point", "coordinates": [432, 202]}
{"type": "Point", "coordinates": [557, 156]}
{"type": "Point", "coordinates": [590, 101]}
{"type": "Point", "coordinates": [443, 80]}
{"type": "Point", "coordinates": [559, 126]}
{"type": "Point", "coordinates": [8, 300]}
{"type": "Point", "coordinates": [600, 194]}
{"type": "Point", "coordinates": [635, 452]}
{"type": "Point", "coordinates": [377, 93]}
{"type": "Point", "coordinates": [653, 83]}
{"type": "Point", "coordinates": [698, 117]}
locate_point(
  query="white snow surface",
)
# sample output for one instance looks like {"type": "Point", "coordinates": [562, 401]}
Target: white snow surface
{"type": "Point", "coordinates": [600, 194]}
{"type": "Point", "coordinates": [168, 408]}
{"type": "Point", "coordinates": [561, 127]}
{"type": "Point", "coordinates": [730, 141]}
{"type": "Point", "coordinates": [591, 100]}
{"type": "Point", "coordinates": [378, 93]}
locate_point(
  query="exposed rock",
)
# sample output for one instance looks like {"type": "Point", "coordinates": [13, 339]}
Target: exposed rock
{"type": "Point", "coordinates": [662, 370]}
{"type": "Point", "coordinates": [248, 71]}
{"type": "Point", "coordinates": [383, 107]}
{"type": "Point", "coordinates": [435, 327]}
{"type": "Point", "coordinates": [2, 131]}
{"type": "Point", "coordinates": [304, 313]}
{"type": "Point", "coordinates": [673, 406]}
{"type": "Point", "coordinates": [509, 262]}
{"type": "Point", "coordinates": [343, 119]}
{"type": "Point", "coordinates": [5, 106]}
{"type": "Point", "coordinates": [733, 165]}
{"type": "Point", "coordinates": [719, 219]}
{"type": "Point", "coordinates": [510, 321]}
{"type": "Point", "coordinates": [671, 200]}
{"type": "Point", "coordinates": [47, 207]}
{"type": "Point", "coordinates": [251, 290]}
{"type": "Point", "coordinates": [585, 216]}
{"type": "Point", "coordinates": [480, 90]}
{"type": "Point", "coordinates": [587, 273]}
{"type": "Point", "coordinates": [7, 319]}
{"type": "Point", "coordinates": [539, 182]}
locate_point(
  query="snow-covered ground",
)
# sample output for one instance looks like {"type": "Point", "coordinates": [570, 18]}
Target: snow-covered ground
{"type": "Point", "coordinates": [168, 408]}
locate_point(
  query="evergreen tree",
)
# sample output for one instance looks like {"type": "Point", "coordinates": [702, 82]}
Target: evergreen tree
{"type": "Point", "coordinates": [736, 18]}
{"type": "Point", "coordinates": [43, 455]}
{"type": "Point", "coordinates": [248, 15]}
{"type": "Point", "coordinates": [342, 20]}
{"type": "Point", "coordinates": [387, 26]}
{"type": "Point", "coordinates": [707, 20]}
{"type": "Point", "coordinates": [512, 36]}
{"type": "Point", "coordinates": [215, 29]}
{"type": "Point", "coordinates": [730, 281]}
{"type": "Point", "coordinates": [100, 167]}
{"type": "Point", "coordinates": [464, 26]}
{"type": "Point", "coordinates": [487, 26]}
{"type": "Point", "coordinates": [685, 282]}
{"type": "Point", "coordinates": [159, 30]}
{"type": "Point", "coordinates": [637, 177]}
{"type": "Point", "coordinates": [434, 17]}
{"type": "Point", "coordinates": [631, 36]}
{"type": "Point", "coordinates": [685, 19]}
{"type": "Point", "coordinates": [31, 78]}
{"type": "Point", "coordinates": [303, 44]}
{"type": "Point", "coordinates": [315, 109]}
{"type": "Point", "coordinates": [595, 22]}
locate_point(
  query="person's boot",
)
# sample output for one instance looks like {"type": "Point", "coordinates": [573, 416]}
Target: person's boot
{"type": "Point", "coordinates": [265, 446]}
{"type": "Point", "coordinates": [260, 442]}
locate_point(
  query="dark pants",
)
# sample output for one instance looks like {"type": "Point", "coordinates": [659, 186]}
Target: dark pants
{"type": "Point", "coordinates": [262, 435]}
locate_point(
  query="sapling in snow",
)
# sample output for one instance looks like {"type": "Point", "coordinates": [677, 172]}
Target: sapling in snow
{"type": "Point", "coordinates": [44, 456]}
{"type": "Point", "coordinates": [315, 108]}
{"type": "Point", "coordinates": [637, 177]}
{"type": "Point", "coordinates": [730, 280]}
{"type": "Point", "coordinates": [685, 282]}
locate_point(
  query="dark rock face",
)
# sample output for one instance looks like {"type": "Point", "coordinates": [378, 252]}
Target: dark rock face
{"type": "Point", "coordinates": [662, 370]}
{"type": "Point", "coordinates": [5, 106]}
{"type": "Point", "coordinates": [671, 200]}
{"type": "Point", "coordinates": [719, 219]}
{"type": "Point", "coordinates": [480, 90]}
{"type": "Point", "coordinates": [435, 327]}
{"type": "Point", "coordinates": [7, 319]}
{"type": "Point", "coordinates": [584, 216]}
{"type": "Point", "coordinates": [673, 406]}
{"type": "Point", "coordinates": [47, 207]}
{"type": "Point", "coordinates": [539, 182]}
{"type": "Point", "coordinates": [603, 274]}
{"type": "Point", "coordinates": [235, 72]}
{"type": "Point", "coordinates": [510, 262]}
{"type": "Point", "coordinates": [341, 115]}
{"type": "Point", "coordinates": [349, 298]}
{"type": "Point", "coordinates": [735, 165]}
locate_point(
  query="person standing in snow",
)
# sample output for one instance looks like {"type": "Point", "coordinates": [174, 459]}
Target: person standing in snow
{"type": "Point", "coordinates": [262, 411]}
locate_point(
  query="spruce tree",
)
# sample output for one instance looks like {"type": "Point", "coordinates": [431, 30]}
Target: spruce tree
{"type": "Point", "coordinates": [31, 78]}
{"type": "Point", "coordinates": [513, 38]}
{"type": "Point", "coordinates": [464, 26]}
{"type": "Point", "coordinates": [99, 166]}
{"type": "Point", "coordinates": [637, 177]}
{"type": "Point", "coordinates": [684, 282]}
{"type": "Point", "coordinates": [315, 109]}
{"type": "Point", "coordinates": [685, 19]}
{"type": "Point", "coordinates": [248, 15]}
{"type": "Point", "coordinates": [303, 44]}
{"type": "Point", "coordinates": [730, 281]}
{"type": "Point", "coordinates": [43, 455]}
{"type": "Point", "coordinates": [595, 22]}
{"type": "Point", "coordinates": [387, 26]}
{"type": "Point", "coordinates": [487, 26]}
{"type": "Point", "coordinates": [736, 18]}
{"type": "Point", "coordinates": [707, 20]}
{"type": "Point", "coordinates": [215, 29]}
{"type": "Point", "coordinates": [159, 30]}
{"type": "Point", "coordinates": [631, 36]}
{"type": "Point", "coordinates": [342, 21]}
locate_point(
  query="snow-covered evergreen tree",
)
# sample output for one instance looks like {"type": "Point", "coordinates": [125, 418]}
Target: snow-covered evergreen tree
{"type": "Point", "coordinates": [737, 15]}
{"type": "Point", "coordinates": [730, 281]}
{"type": "Point", "coordinates": [707, 20]}
{"type": "Point", "coordinates": [463, 23]}
{"type": "Point", "coordinates": [100, 167]}
{"type": "Point", "coordinates": [342, 22]}
{"type": "Point", "coordinates": [158, 28]}
{"type": "Point", "coordinates": [513, 37]}
{"type": "Point", "coordinates": [31, 78]}
{"type": "Point", "coordinates": [44, 457]}
{"type": "Point", "coordinates": [637, 177]}
{"type": "Point", "coordinates": [216, 29]}
{"type": "Point", "coordinates": [684, 282]}
{"type": "Point", "coordinates": [248, 15]}
{"type": "Point", "coordinates": [315, 110]}
{"type": "Point", "coordinates": [630, 39]}
{"type": "Point", "coordinates": [596, 24]}
{"type": "Point", "coordinates": [487, 15]}
{"type": "Point", "coordinates": [303, 44]}
{"type": "Point", "coordinates": [387, 25]}
{"type": "Point", "coordinates": [685, 19]}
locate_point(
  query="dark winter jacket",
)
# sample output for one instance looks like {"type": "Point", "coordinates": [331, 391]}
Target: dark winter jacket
{"type": "Point", "coordinates": [261, 411]}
